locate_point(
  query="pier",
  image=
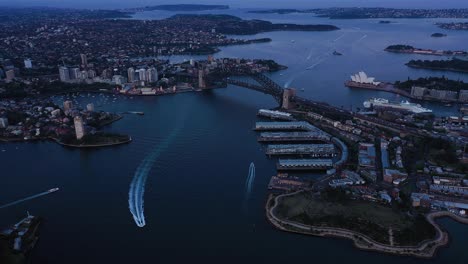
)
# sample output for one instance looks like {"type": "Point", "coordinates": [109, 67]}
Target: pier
{"type": "Point", "coordinates": [312, 150]}
{"type": "Point", "coordinates": [314, 136]}
{"type": "Point", "coordinates": [284, 126]}
{"type": "Point", "coordinates": [304, 164]}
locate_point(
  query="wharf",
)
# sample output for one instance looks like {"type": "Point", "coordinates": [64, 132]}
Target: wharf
{"type": "Point", "coordinates": [304, 164]}
{"type": "Point", "coordinates": [284, 126]}
{"type": "Point", "coordinates": [314, 150]}
{"type": "Point", "coordinates": [293, 137]}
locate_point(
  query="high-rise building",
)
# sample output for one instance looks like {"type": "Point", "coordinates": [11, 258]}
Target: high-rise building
{"type": "Point", "coordinates": [83, 75]}
{"type": "Point", "coordinates": [3, 122]}
{"type": "Point", "coordinates": [67, 106]}
{"type": "Point", "coordinates": [131, 74]}
{"type": "Point", "coordinates": [79, 127]}
{"type": "Point", "coordinates": [28, 63]}
{"type": "Point", "coordinates": [10, 75]}
{"type": "Point", "coordinates": [141, 74]}
{"type": "Point", "coordinates": [152, 75]}
{"type": "Point", "coordinates": [84, 60]}
{"type": "Point", "coordinates": [90, 107]}
{"type": "Point", "coordinates": [201, 80]}
{"type": "Point", "coordinates": [64, 74]}
{"type": "Point", "coordinates": [75, 73]}
{"type": "Point", "coordinates": [91, 74]}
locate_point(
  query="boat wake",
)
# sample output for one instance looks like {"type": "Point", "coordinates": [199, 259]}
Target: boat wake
{"type": "Point", "coordinates": [29, 198]}
{"type": "Point", "coordinates": [249, 182]}
{"type": "Point", "coordinates": [137, 186]}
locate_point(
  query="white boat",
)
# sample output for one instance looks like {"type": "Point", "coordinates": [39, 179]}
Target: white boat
{"type": "Point", "coordinates": [53, 190]}
{"type": "Point", "coordinates": [402, 106]}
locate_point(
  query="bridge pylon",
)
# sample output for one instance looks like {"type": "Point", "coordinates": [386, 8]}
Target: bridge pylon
{"type": "Point", "coordinates": [288, 94]}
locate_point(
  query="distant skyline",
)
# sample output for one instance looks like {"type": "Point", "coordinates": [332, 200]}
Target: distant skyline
{"type": "Point", "coordinates": [114, 4]}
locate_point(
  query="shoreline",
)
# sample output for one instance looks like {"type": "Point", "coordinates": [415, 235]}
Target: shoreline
{"type": "Point", "coordinates": [435, 68]}
{"type": "Point", "coordinates": [425, 249]}
{"type": "Point", "coordinates": [92, 145]}
{"type": "Point", "coordinates": [390, 88]}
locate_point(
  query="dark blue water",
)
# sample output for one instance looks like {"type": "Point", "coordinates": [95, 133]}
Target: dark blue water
{"type": "Point", "coordinates": [194, 199]}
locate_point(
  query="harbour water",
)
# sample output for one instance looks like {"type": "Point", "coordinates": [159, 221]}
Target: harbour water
{"type": "Point", "coordinates": [194, 193]}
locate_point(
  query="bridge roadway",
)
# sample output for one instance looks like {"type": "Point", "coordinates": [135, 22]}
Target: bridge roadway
{"type": "Point", "coordinates": [268, 86]}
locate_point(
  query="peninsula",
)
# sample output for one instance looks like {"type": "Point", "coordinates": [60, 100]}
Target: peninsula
{"type": "Point", "coordinates": [180, 7]}
{"type": "Point", "coordinates": [454, 26]}
{"type": "Point", "coordinates": [371, 12]}
{"type": "Point", "coordinates": [410, 49]}
{"type": "Point", "coordinates": [370, 226]}
{"type": "Point", "coordinates": [455, 65]}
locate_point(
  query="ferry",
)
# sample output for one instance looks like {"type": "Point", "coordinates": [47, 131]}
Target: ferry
{"type": "Point", "coordinates": [402, 106]}
{"type": "Point", "coordinates": [53, 190]}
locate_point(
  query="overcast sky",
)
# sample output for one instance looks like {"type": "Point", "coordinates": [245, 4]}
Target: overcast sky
{"type": "Point", "coordinates": [111, 4]}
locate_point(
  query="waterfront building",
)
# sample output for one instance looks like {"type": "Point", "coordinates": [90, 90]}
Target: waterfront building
{"type": "Point", "coordinates": [79, 127]}
{"type": "Point", "coordinates": [3, 122]}
{"type": "Point", "coordinates": [28, 63]}
{"type": "Point", "coordinates": [131, 74]}
{"type": "Point", "coordinates": [152, 75]}
{"type": "Point", "coordinates": [443, 94]}
{"type": "Point", "coordinates": [75, 73]}
{"type": "Point", "coordinates": [362, 77]}
{"type": "Point", "coordinates": [141, 73]}
{"type": "Point", "coordinates": [418, 92]}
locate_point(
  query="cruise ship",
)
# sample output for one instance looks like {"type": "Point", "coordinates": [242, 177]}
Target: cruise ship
{"type": "Point", "coordinates": [402, 106]}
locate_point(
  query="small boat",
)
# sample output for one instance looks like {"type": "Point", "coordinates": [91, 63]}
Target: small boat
{"type": "Point", "coordinates": [448, 105]}
{"type": "Point", "coordinates": [337, 53]}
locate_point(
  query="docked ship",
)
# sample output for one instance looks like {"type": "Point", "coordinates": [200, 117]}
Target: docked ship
{"type": "Point", "coordinates": [402, 106]}
{"type": "Point", "coordinates": [275, 114]}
